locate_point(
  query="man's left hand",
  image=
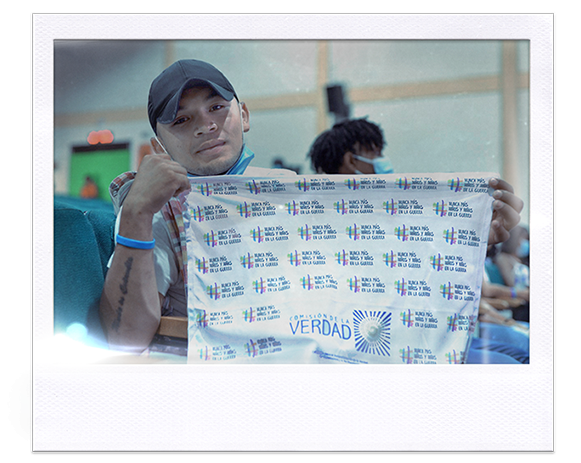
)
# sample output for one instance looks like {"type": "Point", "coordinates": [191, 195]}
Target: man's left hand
{"type": "Point", "coordinates": [506, 210]}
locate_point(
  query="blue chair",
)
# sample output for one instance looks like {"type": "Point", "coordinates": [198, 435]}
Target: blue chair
{"type": "Point", "coordinates": [83, 242]}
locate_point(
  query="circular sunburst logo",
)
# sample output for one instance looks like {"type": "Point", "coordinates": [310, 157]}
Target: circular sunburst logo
{"type": "Point", "coordinates": [372, 332]}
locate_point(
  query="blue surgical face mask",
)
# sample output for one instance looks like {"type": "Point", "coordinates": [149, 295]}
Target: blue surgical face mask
{"type": "Point", "coordinates": [381, 165]}
{"type": "Point", "coordinates": [245, 157]}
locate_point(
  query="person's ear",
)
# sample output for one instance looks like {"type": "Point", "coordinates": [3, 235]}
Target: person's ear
{"type": "Point", "coordinates": [348, 164]}
{"type": "Point", "coordinates": [157, 146]}
{"type": "Point", "coordinates": [245, 115]}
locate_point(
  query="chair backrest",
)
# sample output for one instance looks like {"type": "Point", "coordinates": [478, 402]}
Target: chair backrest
{"type": "Point", "coordinates": [83, 242]}
{"type": "Point", "coordinates": [103, 223]}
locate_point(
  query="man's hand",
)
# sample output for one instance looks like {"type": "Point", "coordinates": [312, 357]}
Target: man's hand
{"type": "Point", "coordinates": [158, 179]}
{"type": "Point", "coordinates": [506, 211]}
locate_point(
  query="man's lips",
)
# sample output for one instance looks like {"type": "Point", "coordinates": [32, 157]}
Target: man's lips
{"type": "Point", "coordinates": [207, 146]}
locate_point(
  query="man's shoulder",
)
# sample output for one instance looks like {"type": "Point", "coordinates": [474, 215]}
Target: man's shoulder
{"type": "Point", "coordinates": [267, 172]}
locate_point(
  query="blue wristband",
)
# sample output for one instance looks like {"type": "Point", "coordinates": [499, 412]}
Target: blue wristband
{"type": "Point", "coordinates": [128, 242]}
{"type": "Point", "coordinates": [513, 293]}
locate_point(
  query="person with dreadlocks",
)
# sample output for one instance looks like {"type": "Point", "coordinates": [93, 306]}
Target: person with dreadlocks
{"type": "Point", "coordinates": [350, 147]}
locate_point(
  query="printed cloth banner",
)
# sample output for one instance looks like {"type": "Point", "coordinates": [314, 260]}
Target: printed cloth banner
{"type": "Point", "coordinates": [335, 269]}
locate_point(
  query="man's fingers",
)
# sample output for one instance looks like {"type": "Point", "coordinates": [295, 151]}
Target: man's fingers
{"type": "Point", "coordinates": [498, 233]}
{"type": "Point", "coordinates": [504, 219]}
{"type": "Point", "coordinates": [504, 192]}
{"type": "Point", "coordinates": [184, 187]}
{"type": "Point", "coordinates": [505, 214]}
{"type": "Point", "coordinates": [500, 184]}
{"type": "Point", "coordinates": [509, 198]}
{"type": "Point", "coordinates": [184, 183]}
{"type": "Point", "coordinates": [506, 210]}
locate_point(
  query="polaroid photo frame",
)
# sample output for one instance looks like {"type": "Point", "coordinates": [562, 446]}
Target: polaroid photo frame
{"type": "Point", "coordinates": [160, 407]}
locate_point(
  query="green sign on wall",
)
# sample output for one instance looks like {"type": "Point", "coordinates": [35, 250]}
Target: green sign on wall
{"type": "Point", "coordinates": [101, 165]}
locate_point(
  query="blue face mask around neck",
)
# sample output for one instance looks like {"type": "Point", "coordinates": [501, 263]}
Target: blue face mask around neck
{"type": "Point", "coordinates": [245, 157]}
{"type": "Point", "coordinates": [245, 154]}
{"type": "Point", "coordinates": [381, 165]}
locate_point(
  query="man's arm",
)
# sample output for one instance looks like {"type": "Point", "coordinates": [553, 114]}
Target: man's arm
{"type": "Point", "coordinates": [130, 307]}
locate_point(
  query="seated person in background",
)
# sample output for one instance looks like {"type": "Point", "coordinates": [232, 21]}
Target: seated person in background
{"type": "Point", "coordinates": [89, 190]}
{"type": "Point", "coordinates": [514, 296]}
{"type": "Point", "coordinates": [497, 298]}
{"type": "Point", "coordinates": [499, 337]}
{"type": "Point", "coordinates": [350, 147]}
{"type": "Point", "coordinates": [503, 297]}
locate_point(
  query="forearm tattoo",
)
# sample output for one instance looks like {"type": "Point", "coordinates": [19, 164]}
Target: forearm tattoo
{"type": "Point", "coordinates": [123, 289]}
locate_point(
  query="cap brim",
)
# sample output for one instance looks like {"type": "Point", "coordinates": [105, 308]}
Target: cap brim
{"type": "Point", "coordinates": [170, 111]}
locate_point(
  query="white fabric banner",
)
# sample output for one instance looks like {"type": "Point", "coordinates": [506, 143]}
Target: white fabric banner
{"type": "Point", "coordinates": [333, 269]}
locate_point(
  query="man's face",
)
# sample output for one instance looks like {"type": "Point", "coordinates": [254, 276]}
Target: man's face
{"type": "Point", "coordinates": [206, 135]}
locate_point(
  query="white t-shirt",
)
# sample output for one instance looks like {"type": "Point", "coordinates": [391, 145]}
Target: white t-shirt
{"type": "Point", "coordinates": [168, 276]}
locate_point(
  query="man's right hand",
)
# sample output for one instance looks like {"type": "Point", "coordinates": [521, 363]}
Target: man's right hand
{"type": "Point", "coordinates": [158, 179]}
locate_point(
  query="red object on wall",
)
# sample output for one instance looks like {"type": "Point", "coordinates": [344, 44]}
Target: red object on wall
{"type": "Point", "coordinates": [101, 136]}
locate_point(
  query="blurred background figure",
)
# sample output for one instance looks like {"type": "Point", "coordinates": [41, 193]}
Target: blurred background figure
{"type": "Point", "coordinates": [90, 190]}
{"type": "Point", "coordinates": [352, 146]}
{"type": "Point", "coordinates": [507, 269]}
{"type": "Point", "coordinates": [513, 259]}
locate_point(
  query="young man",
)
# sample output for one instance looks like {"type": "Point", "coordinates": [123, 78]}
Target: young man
{"type": "Point", "coordinates": [199, 125]}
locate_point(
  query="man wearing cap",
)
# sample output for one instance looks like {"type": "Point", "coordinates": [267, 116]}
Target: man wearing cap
{"type": "Point", "coordinates": [199, 125]}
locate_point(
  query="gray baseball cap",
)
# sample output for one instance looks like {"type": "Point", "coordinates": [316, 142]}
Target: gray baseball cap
{"type": "Point", "coordinates": [167, 88]}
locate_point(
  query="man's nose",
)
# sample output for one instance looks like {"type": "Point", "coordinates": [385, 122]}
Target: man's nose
{"type": "Point", "coordinates": [206, 125]}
